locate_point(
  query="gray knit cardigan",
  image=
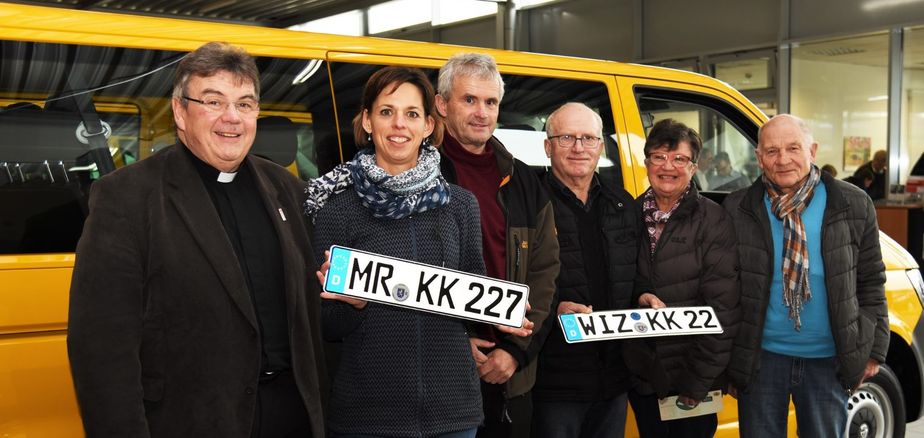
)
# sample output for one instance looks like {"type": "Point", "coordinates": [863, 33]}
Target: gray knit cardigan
{"type": "Point", "coordinates": [402, 373]}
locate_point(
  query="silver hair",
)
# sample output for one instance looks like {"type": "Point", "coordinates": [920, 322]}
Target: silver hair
{"type": "Point", "coordinates": [554, 115]}
{"type": "Point", "coordinates": [806, 132]}
{"type": "Point", "coordinates": [478, 65]}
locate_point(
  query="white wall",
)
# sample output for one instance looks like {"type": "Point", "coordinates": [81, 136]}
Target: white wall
{"type": "Point", "coordinates": [834, 99]}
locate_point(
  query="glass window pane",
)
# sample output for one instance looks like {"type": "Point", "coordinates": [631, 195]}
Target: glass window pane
{"type": "Point", "coordinates": [528, 102]}
{"type": "Point", "coordinates": [45, 170]}
{"type": "Point", "coordinates": [397, 14]}
{"type": "Point", "coordinates": [448, 11]}
{"type": "Point", "coordinates": [749, 74]}
{"type": "Point", "coordinates": [912, 135]}
{"type": "Point", "coordinates": [727, 161]}
{"type": "Point", "coordinates": [347, 23]}
{"type": "Point", "coordinates": [840, 88]}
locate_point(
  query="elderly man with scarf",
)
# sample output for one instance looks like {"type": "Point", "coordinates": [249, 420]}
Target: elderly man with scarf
{"type": "Point", "coordinates": [814, 321]}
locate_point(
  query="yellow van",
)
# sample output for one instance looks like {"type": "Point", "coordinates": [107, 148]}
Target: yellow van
{"type": "Point", "coordinates": [67, 75]}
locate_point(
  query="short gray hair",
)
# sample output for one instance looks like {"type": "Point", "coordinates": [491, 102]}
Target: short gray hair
{"type": "Point", "coordinates": [478, 65]}
{"type": "Point", "coordinates": [554, 115]}
{"type": "Point", "coordinates": [806, 132]}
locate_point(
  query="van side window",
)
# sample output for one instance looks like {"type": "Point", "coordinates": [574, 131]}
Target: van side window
{"type": "Point", "coordinates": [727, 162]}
{"type": "Point", "coordinates": [49, 93]}
{"type": "Point", "coordinates": [527, 103]}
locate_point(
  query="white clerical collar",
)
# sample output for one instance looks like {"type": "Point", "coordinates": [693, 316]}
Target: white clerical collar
{"type": "Point", "coordinates": [226, 177]}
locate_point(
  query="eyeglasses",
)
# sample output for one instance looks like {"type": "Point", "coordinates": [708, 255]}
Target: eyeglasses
{"type": "Point", "coordinates": [677, 160]}
{"type": "Point", "coordinates": [568, 141]}
{"type": "Point", "coordinates": [244, 107]}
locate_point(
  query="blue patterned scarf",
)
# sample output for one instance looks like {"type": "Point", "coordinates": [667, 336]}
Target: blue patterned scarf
{"type": "Point", "coordinates": [416, 190]}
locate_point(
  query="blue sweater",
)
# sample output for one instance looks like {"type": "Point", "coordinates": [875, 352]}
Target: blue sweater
{"type": "Point", "coordinates": [780, 336]}
{"type": "Point", "coordinates": [402, 373]}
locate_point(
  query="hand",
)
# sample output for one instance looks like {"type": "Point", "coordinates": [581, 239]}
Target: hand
{"type": "Point", "coordinates": [498, 368]}
{"type": "Point", "coordinates": [687, 401]}
{"type": "Point", "coordinates": [566, 307]}
{"type": "Point", "coordinates": [477, 344]}
{"type": "Point", "coordinates": [322, 274]}
{"type": "Point", "coordinates": [649, 299]}
{"type": "Point", "coordinates": [524, 330]}
{"type": "Point", "coordinates": [872, 368]}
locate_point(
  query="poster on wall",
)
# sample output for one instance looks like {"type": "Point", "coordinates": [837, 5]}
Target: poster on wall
{"type": "Point", "coordinates": [856, 152]}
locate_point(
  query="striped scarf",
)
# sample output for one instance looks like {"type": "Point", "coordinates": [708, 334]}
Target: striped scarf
{"type": "Point", "coordinates": [788, 207]}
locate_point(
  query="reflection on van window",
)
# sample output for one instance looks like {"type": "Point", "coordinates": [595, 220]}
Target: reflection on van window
{"type": "Point", "coordinates": [727, 161]}
{"type": "Point", "coordinates": [55, 97]}
{"type": "Point", "coordinates": [528, 101]}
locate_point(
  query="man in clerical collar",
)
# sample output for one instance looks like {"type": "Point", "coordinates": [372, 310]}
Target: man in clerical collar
{"type": "Point", "coordinates": [194, 309]}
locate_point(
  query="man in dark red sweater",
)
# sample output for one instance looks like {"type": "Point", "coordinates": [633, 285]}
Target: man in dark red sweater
{"type": "Point", "coordinates": [518, 232]}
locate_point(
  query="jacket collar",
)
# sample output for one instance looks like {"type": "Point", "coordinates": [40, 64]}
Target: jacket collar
{"type": "Point", "coordinates": [688, 204]}
{"type": "Point", "coordinates": [753, 200]}
{"type": "Point", "coordinates": [504, 159]}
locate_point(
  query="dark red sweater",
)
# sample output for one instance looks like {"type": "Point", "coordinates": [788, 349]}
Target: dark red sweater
{"type": "Point", "coordinates": [479, 175]}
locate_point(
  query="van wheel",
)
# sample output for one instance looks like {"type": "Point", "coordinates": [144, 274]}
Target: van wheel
{"type": "Point", "coordinates": [877, 408]}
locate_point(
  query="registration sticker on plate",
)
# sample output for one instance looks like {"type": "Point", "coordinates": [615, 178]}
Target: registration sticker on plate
{"type": "Point", "coordinates": [404, 283]}
{"type": "Point", "coordinates": [639, 323]}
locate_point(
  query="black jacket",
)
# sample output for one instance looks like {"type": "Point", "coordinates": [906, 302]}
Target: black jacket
{"type": "Point", "coordinates": [695, 264]}
{"type": "Point", "coordinates": [163, 336]}
{"type": "Point", "coordinates": [590, 371]}
{"type": "Point", "coordinates": [854, 271]}
{"type": "Point", "coordinates": [532, 253]}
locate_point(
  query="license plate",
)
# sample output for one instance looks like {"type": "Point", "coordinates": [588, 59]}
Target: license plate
{"type": "Point", "coordinates": [639, 323]}
{"type": "Point", "coordinates": [404, 283]}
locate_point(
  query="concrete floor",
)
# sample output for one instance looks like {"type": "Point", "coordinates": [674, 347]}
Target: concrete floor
{"type": "Point", "coordinates": [915, 430]}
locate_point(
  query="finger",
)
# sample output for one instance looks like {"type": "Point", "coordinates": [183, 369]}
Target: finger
{"type": "Point", "coordinates": [527, 324]}
{"type": "Point", "coordinates": [516, 331]}
{"type": "Point", "coordinates": [357, 303]}
{"type": "Point", "coordinates": [321, 278]}
{"type": "Point", "coordinates": [485, 369]}
{"type": "Point", "coordinates": [657, 304]}
{"type": "Point", "coordinates": [478, 356]}
{"type": "Point", "coordinates": [481, 343]}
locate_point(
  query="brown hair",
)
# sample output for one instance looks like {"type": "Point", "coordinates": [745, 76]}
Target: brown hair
{"type": "Point", "coordinates": [387, 80]}
{"type": "Point", "coordinates": [212, 58]}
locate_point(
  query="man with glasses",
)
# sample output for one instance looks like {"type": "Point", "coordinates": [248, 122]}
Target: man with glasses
{"type": "Point", "coordinates": [194, 309]}
{"type": "Point", "coordinates": [518, 233]}
{"type": "Point", "coordinates": [581, 388]}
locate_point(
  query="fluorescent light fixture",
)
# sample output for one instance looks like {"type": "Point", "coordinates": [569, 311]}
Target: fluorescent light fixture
{"type": "Point", "coordinates": [873, 5]}
{"type": "Point", "coordinates": [451, 11]}
{"type": "Point", "coordinates": [397, 14]}
{"type": "Point", "coordinates": [347, 23]}
{"type": "Point", "coordinates": [310, 69]}
{"type": "Point", "coordinates": [878, 98]}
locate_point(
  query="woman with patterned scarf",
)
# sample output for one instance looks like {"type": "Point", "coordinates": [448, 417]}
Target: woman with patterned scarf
{"type": "Point", "coordinates": [402, 372]}
{"type": "Point", "coordinates": [687, 258]}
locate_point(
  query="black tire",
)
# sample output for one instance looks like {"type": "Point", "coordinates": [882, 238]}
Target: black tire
{"type": "Point", "coordinates": [877, 408]}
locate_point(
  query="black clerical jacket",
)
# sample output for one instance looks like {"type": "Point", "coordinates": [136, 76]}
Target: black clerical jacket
{"type": "Point", "coordinates": [163, 336]}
